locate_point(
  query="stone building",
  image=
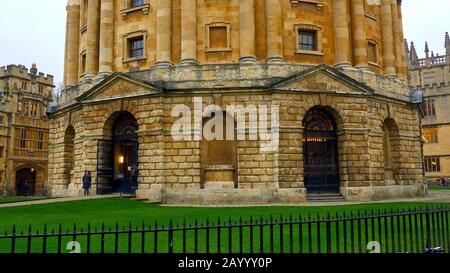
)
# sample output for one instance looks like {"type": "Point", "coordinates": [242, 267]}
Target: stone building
{"type": "Point", "coordinates": [432, 75]}
{"type": "Point", "coordinates": [24, 130]}
{"type": "Point", "coordinates": [335, 70]}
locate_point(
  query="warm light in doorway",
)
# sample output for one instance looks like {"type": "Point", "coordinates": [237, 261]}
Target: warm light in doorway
{"type": "Point", "coordinates": [121, 159]}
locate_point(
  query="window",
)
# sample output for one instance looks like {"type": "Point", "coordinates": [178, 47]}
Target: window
{"type": "Point", "coordinates": [1, 120]}
{"type": "Point", "coordinates": [84, 15]}
{"type": "Point", "coordinates": [372, 52]}
{"type": "Point", "coordinates": [432, 164]}
{"type": "Point", "coordinates": [429, 77]}
{"type": "Point", "coordinates": [132, 6]}
{"type": "Point", "coordinates": [23, 139]}
{"type": "Point", "coordinates": [218, 37]}
{"type": "Point", "coordinates": [137, 3]}
{"type": "Point", "coordinates": [430, 134]}
{"type": "Point", "coordinates": [2, 151]}
{"type": "Point", "coordinates": [136, 46]}
{"type": "Point", "coordinates": [370, 8]}
{"type": "Point", "coordinates": [83, 63]}
{"type": "Point", "coordinates": [429, 109]}
{"type": "Point", "coordinates": [40, 140]}
{"type": "Point", "coordinates": [308, 40]}
{"type": "Point", "coordinates": [24, 85]}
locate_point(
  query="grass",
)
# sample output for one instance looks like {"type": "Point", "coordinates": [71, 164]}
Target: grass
{"type": "Point", "coordinates": [7, 200]}
{"type": "Point", "coordinates": [436, 188]}
{"type": "Point", "coordinates": [124, 212]}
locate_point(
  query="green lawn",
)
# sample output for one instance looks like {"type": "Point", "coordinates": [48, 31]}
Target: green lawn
{"type": "Point", "coordinates": [124, 211]}
{"type": "Point", "coordinates": [435, 188]}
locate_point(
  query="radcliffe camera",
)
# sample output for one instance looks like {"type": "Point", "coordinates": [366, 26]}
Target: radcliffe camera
{"type": "Point", "coordinates": [224, 135]}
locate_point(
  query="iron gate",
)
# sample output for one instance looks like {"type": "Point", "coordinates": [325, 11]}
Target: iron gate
{"type": "Point", "coordinates": [320, 153]}
{"type": "Point", "coordinates": [105, 167]}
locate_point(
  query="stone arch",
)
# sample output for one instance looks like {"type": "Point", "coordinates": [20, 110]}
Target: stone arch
{"type": "Point", "coordinates": [33, 174]}
{"type": "Point", "coordinates": [68, 156]}
{"type": "Point", "coordinates": [391, 151]}
{"type": "Point", "coordinates": [219, 162]}
{"type": "Point", "coordinates": [335, 114]}
{"type": "Point", "coordinates": [117, 154]}
{"type": "Point", "coordinates": [320, 151]}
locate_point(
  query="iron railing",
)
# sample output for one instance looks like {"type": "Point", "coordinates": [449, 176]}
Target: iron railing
{"type": "Point", "coordinates": [401, 231]}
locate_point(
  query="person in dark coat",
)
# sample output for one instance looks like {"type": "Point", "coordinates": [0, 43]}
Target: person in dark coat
{"type": "Point", "coordinates": [87, 183]}
{"type": "Point", "coordinates": [443, 182]}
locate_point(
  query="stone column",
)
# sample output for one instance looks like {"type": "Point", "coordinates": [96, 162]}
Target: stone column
{"type": "Point", "coordinates": [359, 34]}
{"type": "Point", "coordinates": [92, 39]}
{"type": "Point", "coordinates": [188, 31]}
{"type": "Point", "coordinates": [247, 31]}
{"type": "Point", "coordinates": [73, 42]}
{"type": "Point", "coordinates": [274, 33]}
{"type": "Point", "coordinates": [164, 33]}
{"type": "Point", "coordinates": [400, 60]}
{"type": "Point", "coordinates": [341, 33]}
{"type": "Point", "coordinates": [387, 37]}
{"type": "Point", "coordinates": [106, 37]}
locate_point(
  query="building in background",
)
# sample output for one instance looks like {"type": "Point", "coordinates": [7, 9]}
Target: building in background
{"type": "Point", "coordinates": [336, 69]}
{"type": "Point", "coordinates": [24, 129]}
{"type": "Point", "coordinates": [432, 75]}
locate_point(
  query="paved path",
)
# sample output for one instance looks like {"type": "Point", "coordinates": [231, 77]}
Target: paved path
{"type": "Point", "coordinates": [434, 196]}
{"type": "Point", "coordinates": [54, 200]}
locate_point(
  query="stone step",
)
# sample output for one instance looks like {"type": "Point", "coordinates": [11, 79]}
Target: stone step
{"type": "Point", "coordinates": [325, 198]}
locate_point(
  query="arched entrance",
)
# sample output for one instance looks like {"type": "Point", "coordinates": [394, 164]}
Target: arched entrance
{"type": "Point", "coordinates": [117, 164]}
{"type": "Point", "coordinates": [26, 182]}
{"type": "Point", "coordinates": [320, 153]}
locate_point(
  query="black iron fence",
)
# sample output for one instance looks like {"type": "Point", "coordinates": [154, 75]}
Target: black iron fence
{"type": "Point", "coordinates": [403, 231]}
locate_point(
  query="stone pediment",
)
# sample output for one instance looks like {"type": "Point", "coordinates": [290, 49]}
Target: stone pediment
{"type": "Point", "coordinates": [322, 79]}
{"type": "Point", "coordinates": [118, 86]}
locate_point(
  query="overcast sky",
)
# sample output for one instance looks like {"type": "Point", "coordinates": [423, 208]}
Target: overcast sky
{"type": "Point", "coordinates": [32, 31]}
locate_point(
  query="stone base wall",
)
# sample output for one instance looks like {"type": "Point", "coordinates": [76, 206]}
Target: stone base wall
{"type": "Point", "coordinates": [171, 171]}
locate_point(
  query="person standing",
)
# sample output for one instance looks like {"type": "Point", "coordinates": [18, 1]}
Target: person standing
{"type": "Point", "coordinates": [87, 183]}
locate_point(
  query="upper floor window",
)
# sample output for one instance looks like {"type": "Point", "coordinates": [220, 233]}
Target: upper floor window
{"type": "Point", "coordinates": [218, 37]}
{"type": "Point", "coordinates": [432, 164]}
{"type": "Point", "coordinates": [84, 15]}
{"type": "Point", "coordinates": [40, 140]}
{"type": "Point", "coordinates": [24, 85]}
{"type": "Point", "coordinates": [430, 134]}
{"type": "Point", "coordinates": [23, 139]}
{"type": "Point", "coordinates": [132, 6]}
{"type": "Point", "coordinates": [137, 3]}
{"type": "Point", "coordinates": [309, 39]}
{"type": "Point", "coordinates": [370, 8]}
{"type": "Point", "coordinates": [2, 151]}
{"type": "Point", "coordinates": [136, 47]}
{"type": "Point", "coordinates": [429, 77]}
{"type": "Point", "coordinates": [429, 108]}
{"type": "Point", "coordinates": [372, 52]}
{"type": "Point", "coordinates": [83, 63]}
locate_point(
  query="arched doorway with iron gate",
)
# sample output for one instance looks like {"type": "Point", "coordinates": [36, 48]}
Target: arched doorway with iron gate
{"type": "Point", "coordinates": [117, 160]}
{"type": "Point", "coordinates": [320, 152]}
